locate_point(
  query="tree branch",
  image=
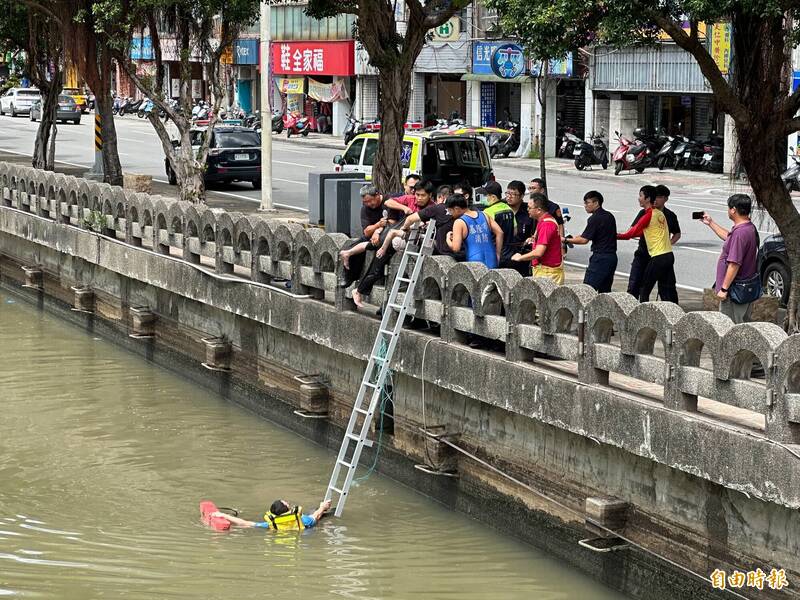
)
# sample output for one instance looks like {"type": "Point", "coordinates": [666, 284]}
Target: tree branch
{"type": "Point", "coordinates": [49, 11]}
{"type": "Point", "coordinates": [722, 89]}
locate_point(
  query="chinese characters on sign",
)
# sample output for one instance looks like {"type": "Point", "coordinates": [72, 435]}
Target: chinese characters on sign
{"type": "Point", "coordinates": [758, 579]}
{"type": "Point", "coordinates": [488, 96]}
{"type": "Point", "coordinates": [314, 58]}
{"type": "Point", "coordinates": [721, 46]}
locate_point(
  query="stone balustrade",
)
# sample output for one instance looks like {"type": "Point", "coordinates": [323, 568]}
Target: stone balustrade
{"type": "Point", "coordinates": [600, 334]}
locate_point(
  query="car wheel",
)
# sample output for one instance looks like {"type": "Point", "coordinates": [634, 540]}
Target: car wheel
{"type": "Point", "coordinates": [13, 111]}
{"type": "Point", "coordinates": [776, 281]}
{"type": "Point", "coordinates": [77, 121]}
{"type": "Point", "coordinates": [31, 117]}
{"type": "Point", "coordinates": [256, 183]}
{"type": "Point", "coordinates": [617, 167]}
{"type": "Point", "coordinates": [2, 112]}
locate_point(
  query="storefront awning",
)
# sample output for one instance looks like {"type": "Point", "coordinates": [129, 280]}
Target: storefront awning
{"type": "Point", "coordinates": [493, 77]}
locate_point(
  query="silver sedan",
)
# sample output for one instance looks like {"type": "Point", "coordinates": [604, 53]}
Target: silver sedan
{"type": "Point", "coordinates": [68, 110]}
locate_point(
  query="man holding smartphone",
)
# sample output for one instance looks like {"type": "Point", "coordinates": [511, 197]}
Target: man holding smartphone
{"type": "Point", "coordinates": [738, 262]}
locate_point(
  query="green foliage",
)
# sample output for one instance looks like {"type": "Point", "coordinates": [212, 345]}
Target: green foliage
{"type": "Point", "coordinates": [95, 221]}
{"type": "Point", "coordinates": [551, 28]}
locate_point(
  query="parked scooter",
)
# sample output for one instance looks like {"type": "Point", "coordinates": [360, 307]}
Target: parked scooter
{"type": "Point", "coordinates": [131, 106]}
{"type": "Point", "coordinates": [666, 154]}
{"type": "Point", "coordinates": [587, 154]}
{"type": "Point", "coordinates": [510, 142]}
{"type": "Point", "coordinates": [791, 176]}
{"type": "Point", "coordinates": [145, 108]}
{"type": "Point", "coordinates": [277, 121]}
{"type": "Point", "coordinates": [355, 127]}
{"type": "Point", "coordinates": [690, 156]}
{"type": "Point", "coordinates": [712, 154]}
{"type": "Point", "coordinates": [296, 124]}
{"type": "Point", "coordinates": [631, 155]}
{"type": "Point", "coordinates": [569, 142]}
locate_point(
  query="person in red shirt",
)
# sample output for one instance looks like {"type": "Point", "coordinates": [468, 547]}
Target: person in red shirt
{"type": "Point", "coordinates": [546, 255]}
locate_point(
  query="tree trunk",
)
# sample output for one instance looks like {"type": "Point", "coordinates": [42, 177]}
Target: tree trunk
{"type": "Point", "coordinates": [112, 169]}
{"type": "Point", "coordinates": [51, 152]}
{"type": "Point", "coordinates": [387, 169]}
{"type": "Point", "coordinates": [541, 90]}
{"type": "Point", "coordinates": [42, 145]}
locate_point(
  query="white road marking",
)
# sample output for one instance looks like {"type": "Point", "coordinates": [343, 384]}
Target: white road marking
{"type": "Point", "coordinates": [282, 162]}
{"type": "Point", "coordinates": [623, 274]}
{"type": "Point", "coordinates": [290, 181]}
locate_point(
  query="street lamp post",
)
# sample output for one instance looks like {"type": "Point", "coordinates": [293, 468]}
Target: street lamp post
{"type": "Point", "coordinates": [266, 113]}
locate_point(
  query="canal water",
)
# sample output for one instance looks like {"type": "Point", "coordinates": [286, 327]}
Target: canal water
{"type": "Point", "coordinates": [104, 459]}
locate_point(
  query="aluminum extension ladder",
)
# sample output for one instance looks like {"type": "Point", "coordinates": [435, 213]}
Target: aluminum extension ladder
{"type": "Point", "coordinates": [369, 393]}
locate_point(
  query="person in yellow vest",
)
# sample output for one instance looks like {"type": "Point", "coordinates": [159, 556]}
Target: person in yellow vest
{"type": "Point", "coordinates": [661, 266]}
{"type": "Point", "coordinates": [281, 516]}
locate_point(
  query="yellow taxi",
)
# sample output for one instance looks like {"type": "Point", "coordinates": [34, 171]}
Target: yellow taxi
{"type": "Point", "coordinates": [440, 156]}
{"type": "Point", "coordinates": [80, 97]}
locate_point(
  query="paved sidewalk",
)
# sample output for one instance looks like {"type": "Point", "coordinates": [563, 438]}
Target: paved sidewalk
{"type": "Point", "coordinates": [652, 175]}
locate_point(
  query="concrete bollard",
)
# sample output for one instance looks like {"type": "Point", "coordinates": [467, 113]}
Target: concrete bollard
{"type": "Point", "coordinates": [83, 299]}
{"type": "Point", "coordinates": [610, 513]}
{"type": "Point", "coordinates": [143, 322]}
{"type": "Point", "coordinates": [33, 278]}
{"type": "Point", "coordinates": [218, 354]}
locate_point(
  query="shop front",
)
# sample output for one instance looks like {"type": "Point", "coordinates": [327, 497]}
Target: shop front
{"type": "Point", "coordinates": [313, 78]}
{"type": "Point", "coordinates": [500, 89]}
{"type": "Point", "coordinates": [245, 60]}
{"type": "Point", "coordinates": [495, 96]}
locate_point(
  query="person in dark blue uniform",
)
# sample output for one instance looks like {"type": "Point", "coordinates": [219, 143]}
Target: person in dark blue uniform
{"type": "Point", "coordinates": [601, 232]}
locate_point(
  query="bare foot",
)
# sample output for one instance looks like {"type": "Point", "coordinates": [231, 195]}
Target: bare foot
{"type": "Point", "coordinates": [357, 299]}
{"type": "Point", "coordinates": [345, 254]}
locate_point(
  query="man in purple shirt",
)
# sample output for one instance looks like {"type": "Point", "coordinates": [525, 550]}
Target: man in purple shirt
{"type": "Point", "coordinates": [737, 261]}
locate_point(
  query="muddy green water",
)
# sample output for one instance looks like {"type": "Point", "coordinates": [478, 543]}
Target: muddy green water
{"type": "Point", "coordinates": [104, 458]}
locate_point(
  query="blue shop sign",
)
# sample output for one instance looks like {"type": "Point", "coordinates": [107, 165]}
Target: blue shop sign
{"type": "Point", "coordinates": [508, 61]}
{"type": "Point", "coordinates": [142, 48]}
{"type": "Point", "coordinates": [482, 56]}
{"type": "Point", "coordinates": [245, 52]}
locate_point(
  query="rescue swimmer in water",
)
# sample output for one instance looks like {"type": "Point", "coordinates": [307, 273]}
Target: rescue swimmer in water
{"type": "Point", "coordinates": [281, 516]}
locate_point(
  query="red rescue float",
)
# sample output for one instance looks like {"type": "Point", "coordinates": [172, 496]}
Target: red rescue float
{"type": "Point", "coordinates": [207, 508]}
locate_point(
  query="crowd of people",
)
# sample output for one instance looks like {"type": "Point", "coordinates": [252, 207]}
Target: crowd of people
{"type": "Point", "coordinates": [524, 230]}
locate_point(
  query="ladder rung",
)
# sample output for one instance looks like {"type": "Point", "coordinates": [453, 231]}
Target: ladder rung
{"type": "Point", "coordinates": [396, 306]}
{"type": "Point", "coordinates": [361, 410]}
{"type": "Point", "coordinates": [344, 463]}
{"type": "Point", "coordinates": [412, 253]}
{"type": "Point", "coordinates": [369, 384]}
{"type": "Point", "coordinates": [338, 491]}
{"type": "Point", "coordinates": [404, 279]}
{"type": "Point", "coordinates": [353, 436]}
{"type": "Point", "coordinates": [387, 332]}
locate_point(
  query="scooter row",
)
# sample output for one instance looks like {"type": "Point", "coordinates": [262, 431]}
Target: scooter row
{"type": "Point", "coordinates": [681, 152]}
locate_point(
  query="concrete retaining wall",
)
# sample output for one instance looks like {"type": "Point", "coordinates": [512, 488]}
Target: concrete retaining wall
{"type": "Point", "coordinates": [706, 456]}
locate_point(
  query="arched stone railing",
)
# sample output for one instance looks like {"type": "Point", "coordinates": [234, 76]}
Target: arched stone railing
{"type": "Point", "coordinates": [701, 354]}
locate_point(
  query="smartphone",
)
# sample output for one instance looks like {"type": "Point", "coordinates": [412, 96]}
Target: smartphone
{"type": "Point", "coordinates": [698, 215]}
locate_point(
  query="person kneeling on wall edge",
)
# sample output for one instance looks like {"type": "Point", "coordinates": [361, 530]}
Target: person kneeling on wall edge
{"type": "Point", "coordinates": [281, 516]}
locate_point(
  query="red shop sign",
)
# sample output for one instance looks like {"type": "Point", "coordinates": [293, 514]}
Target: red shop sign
{"type": "Point", "coordinates": [314, 58]}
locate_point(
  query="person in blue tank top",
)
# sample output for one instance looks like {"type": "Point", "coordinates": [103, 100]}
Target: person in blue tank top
{"type": "Point", "coordinates": [479, 234]}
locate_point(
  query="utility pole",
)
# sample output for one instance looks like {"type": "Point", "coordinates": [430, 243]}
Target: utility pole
{"type": "Point", "coordinates": [266, 112]}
